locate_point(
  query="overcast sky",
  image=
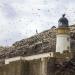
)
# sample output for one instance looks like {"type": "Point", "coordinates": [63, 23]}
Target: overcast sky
{"type": "Point", "coordinates": [19, 19]}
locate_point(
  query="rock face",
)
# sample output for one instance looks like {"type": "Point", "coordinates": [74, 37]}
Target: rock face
{"type": "Point", "coordinates": [40, 43]}
{"type": "Point", "coordinates": [67, 68]}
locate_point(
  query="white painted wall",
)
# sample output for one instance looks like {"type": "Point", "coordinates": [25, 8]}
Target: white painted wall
{"type": "Point", "coordinates": [7, 61]}
{"type": "Point", "coordinates": [33, 57]}
{"type": "Point", "coordinates": [62, 42]}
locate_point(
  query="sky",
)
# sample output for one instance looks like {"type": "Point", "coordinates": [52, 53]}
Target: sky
{"type": "Point", "coordinates": [19, 19]}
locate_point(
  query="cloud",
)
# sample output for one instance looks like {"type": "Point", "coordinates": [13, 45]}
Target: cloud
{"type": "Point", "coordinates": [20, 18]}
{"type": "Point", "coordinates": [8, 11]}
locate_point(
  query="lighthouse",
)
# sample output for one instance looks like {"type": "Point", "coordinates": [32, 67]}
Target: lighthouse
{"type": "Point", "coordinates": [63, 35]}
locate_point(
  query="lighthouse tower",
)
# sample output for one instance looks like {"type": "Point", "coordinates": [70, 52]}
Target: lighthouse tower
{"type": "Point", "coordinates": [63, 35]}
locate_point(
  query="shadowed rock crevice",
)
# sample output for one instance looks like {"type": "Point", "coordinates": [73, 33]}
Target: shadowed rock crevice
{"type": "Point", "coordinates": [67, 68]}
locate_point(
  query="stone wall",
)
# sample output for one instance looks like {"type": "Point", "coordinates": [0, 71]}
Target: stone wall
{"type": "Point", "coordinates": [31, 67]}
{"type": "Point", "coordinates": [35, 67]}
{"type": "Point", "coordinates": [14, 68]}
{"type": "Point", "coordinates": [42, 66]}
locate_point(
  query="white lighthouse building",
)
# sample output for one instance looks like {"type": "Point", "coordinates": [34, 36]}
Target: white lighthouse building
{"type": "Point", "coordinates": [63, 35]}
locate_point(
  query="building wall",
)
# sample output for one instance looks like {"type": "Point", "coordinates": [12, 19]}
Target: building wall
{"type": "Point", "coordinates": [63, 43]}
{"type": "Point", "coordinates": [15, 68]}
{"type": "Point", "coordinates": [23, 67]}
{"type": "Point", "coordinates": [41, 66]}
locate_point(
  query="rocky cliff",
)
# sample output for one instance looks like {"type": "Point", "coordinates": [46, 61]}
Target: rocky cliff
{"type": "Point", "coordinates": [40, 43]}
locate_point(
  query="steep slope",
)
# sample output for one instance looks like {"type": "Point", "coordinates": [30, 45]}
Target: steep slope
{"type": "Point", "coordinates": [40, 43]}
